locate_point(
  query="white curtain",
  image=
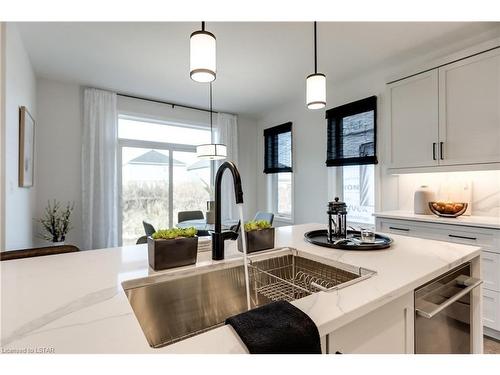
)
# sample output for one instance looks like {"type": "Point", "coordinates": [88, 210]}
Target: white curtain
{"type": "Point", "coordinates": [99, 169]}
{"type": "Point", "coordinates": [226, 132]}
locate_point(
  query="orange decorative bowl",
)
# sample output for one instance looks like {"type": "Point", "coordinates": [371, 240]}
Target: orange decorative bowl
{"type": "Point", "coordinates": [448, 209]}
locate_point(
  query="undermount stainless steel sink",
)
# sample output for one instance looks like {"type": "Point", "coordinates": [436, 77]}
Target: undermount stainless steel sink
{"type": "Point", "coordinates": [174, 309]}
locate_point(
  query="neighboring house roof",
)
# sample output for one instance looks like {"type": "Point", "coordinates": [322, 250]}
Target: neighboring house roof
{"type": "Point", "coordinates": [153, 157]}
{"type": "Point", "coordinates": [200, 164]}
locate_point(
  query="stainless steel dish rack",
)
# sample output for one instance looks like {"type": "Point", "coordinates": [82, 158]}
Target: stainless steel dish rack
{"type": "Point", "coordinates": [290, 277]}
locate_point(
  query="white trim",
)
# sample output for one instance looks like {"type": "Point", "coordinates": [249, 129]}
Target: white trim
{"type": "Point", "coordinates": [272, 198]}
{"type": "Point", "coordinates": [2, 137]}
{"type": "Point", "coordinates": [159, 120]}
{"type": "Point", "coordinates": [161, 145]}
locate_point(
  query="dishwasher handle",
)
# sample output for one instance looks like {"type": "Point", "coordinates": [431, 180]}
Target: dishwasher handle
{"type": "Point", "coordinates": [456, 297]}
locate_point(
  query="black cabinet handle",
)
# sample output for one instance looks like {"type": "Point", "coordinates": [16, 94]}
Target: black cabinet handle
{"type": "Point", "coordinates": [434, 151]}
{"type": "Point", "coordinates": [402, 229]}
{"type": "Point", "coordinates": [441, 155]}
{"type": "Point", "coordinates": [462, 237]}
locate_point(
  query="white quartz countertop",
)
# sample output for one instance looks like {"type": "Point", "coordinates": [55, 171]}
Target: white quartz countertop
{"type": "Point", "coordinates": [492, 222]}
{"type": "Point", "coordinates": [74, 303]}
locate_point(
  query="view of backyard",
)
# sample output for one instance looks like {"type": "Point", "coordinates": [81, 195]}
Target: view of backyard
{"type": "Point", "coordinates": [158, 183]}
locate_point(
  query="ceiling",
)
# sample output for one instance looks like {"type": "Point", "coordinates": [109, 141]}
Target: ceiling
{"type": "Point", "coordinates": [259, 65]}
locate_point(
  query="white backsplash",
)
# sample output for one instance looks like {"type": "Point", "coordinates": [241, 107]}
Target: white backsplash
{"type": "Point", "coordinates": [482, 186]}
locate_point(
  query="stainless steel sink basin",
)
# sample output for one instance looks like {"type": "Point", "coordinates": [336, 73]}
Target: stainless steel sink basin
{"type": "Point", "coordinates": [172, 310]}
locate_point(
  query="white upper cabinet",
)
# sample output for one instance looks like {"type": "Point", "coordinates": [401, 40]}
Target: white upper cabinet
{"type": "Point", "coordinates": [447, 116]}
{"type": "Point", "coordinates": [469, 110]}
{"type": "Point", "coordinates": [413, 108]}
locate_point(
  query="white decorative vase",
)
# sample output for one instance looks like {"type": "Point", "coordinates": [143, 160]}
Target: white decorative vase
{"type": "Point", "coordinates": [61, 243]}
{"type": "Point", "coordinates": [421, 199]}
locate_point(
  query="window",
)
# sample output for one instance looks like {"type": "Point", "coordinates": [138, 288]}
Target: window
{"type": "Point", "coordinates": [160, 173]}
{"type": "Point", "coordinates": [280, 197]}
{"type": "Point", "coordinates": [351, 149]}
{"type": "Point", "coordinates": [278, 166]}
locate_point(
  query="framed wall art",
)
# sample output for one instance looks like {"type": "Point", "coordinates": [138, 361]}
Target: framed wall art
{"type": "Point", "coordinates": [26, 147]}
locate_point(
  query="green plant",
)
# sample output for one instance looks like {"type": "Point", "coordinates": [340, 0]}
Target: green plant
{"type": "Point", "coordinates": [56, 221]}
{"type": "Point", "coordinates": [257, 225]}
{"type": "Point", "coordinates": [168, 234]}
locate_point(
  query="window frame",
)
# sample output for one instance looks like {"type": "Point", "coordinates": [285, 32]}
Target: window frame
{"type": "Point", "coordinates": [272, 198]}
{"type": "Point", "coordinates": [170, 147]}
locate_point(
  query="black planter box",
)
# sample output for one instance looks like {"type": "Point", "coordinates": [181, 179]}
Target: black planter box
{"type": "Point", "coordinates": [177, 252]}
{"type": "Point", "coordinates": [258, 240]}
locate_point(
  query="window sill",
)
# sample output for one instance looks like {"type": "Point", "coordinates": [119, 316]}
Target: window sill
{"type": "Point", "coordinates": [283, 219]}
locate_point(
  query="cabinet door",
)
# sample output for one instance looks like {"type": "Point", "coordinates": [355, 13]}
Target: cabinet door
{"type": "Point", "coordinates": [387, 330]}
{"type": "Point", "coordinates": [413, 120]}
{"type": "Point", "coordinates": [491, 309]}
{"type": "Point", "coordinates": [469, 110]}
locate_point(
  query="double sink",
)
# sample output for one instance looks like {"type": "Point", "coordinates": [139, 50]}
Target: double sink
{"type": "Point", "coordinates": [173, 307]}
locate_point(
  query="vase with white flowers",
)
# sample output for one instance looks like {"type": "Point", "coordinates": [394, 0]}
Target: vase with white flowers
{"type": "Point", "coordinates": [56, 222]}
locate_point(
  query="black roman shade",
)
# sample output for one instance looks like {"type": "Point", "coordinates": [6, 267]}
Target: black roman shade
{"type": "Point", "coordinates": [352, 133]}
{"type": "Point", "coordinates": [278, 149]}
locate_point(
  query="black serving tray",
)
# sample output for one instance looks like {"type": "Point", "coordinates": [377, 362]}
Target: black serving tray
{"type": "Point", "coordinates": [319, 237]}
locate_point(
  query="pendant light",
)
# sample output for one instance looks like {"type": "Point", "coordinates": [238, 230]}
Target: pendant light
{"type": "Point", "coordinates": [202, 53]}
{"type": "Point", "coordinates": [316, 83]}
{"type": "Point", "coordinates": [211, 151]}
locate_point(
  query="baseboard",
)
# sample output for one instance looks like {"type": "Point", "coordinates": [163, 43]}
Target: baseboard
{"type": "Point", "coordinates": [491, 333]}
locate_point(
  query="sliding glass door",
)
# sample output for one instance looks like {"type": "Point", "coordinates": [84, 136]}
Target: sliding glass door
{"type": "Point", "coordinates": [145, 190]}
{"type": "Point", "coordinates": [190, 183]}
{"type": "Point", "coordinates": [157, 178]}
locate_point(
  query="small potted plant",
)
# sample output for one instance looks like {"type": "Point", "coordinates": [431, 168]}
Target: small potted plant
{"type": "Point", "coordinates": [175, 247]}
{"type": "Point", "coordinates": [56, 222]}
{"type": "Point", "coordinates": [259, 236]}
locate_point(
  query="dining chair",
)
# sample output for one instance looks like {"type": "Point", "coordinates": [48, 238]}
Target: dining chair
{"type": "Point", "coordinates": [189, 215]}
{"type": "Point", "coordinates": [148, 228]}
{"type": "Point", "coordinates": [37, 252]}
{"type": "Point", "coordinates": [267, 216]}
{"type": "Point", "coordinates": [141, 240]}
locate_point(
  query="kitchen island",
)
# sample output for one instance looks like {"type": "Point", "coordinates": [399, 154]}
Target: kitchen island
{"type": "Point", "coordinates": [75, 303]}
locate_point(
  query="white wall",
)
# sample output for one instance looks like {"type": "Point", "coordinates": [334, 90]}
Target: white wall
{"type": "Point", "coordinates": [311, 190]}
{"type": "Point", "coordinates": [20, 89]}
{"type": "Point", "coordinates": [59, 132]}
{"type": "Point", "coordinates": [247, 159]}
{"type": "Point", "coordinates": [59, 142]}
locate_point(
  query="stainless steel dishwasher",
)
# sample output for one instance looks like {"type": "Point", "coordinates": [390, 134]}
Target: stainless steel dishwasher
{"type": "Point", "coordinates": [443, 313]}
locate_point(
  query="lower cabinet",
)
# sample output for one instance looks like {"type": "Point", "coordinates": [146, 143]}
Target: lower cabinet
{"type": "Point", "coordinates": [386, 330]}
{"type": "Point", "coordinates": [487, 239]}
{"type": "Point", "coordinates": [491, 311]}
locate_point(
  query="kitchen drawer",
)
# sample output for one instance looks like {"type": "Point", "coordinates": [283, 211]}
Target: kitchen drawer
{"type": "Point", "coordinates": [490, 268]}
{"type": "Point", "coordinates": [401, 227]}
{"type": "Point", "coordinates": [488, 239]}
{"type": "Point", "coordinates": [491, 309]}
{"type": "Point", "coordinates": [471, 236]}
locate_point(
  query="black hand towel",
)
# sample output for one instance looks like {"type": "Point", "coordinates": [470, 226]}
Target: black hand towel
{"type": "Point", "coordinates": [277, 328]}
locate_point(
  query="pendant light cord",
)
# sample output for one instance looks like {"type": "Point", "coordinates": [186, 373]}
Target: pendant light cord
{"type": "Point", "coordinates": [315, 51]}
{"type": "Point", "coordinates": [211, 132]}
{"type": "Point", "coordinates": [202, 25]}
